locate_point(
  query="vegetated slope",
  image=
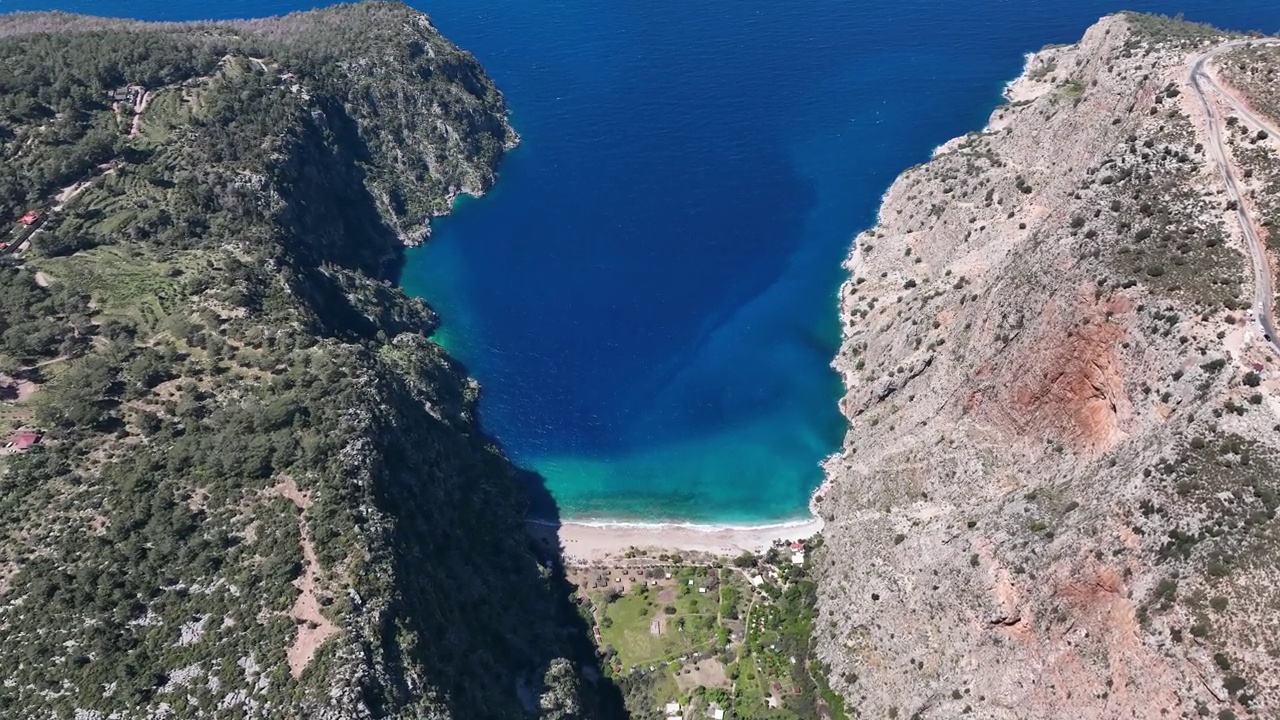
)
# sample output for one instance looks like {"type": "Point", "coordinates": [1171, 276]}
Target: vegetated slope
{"type": "Point", "coordinates": [1058, 494]}
{"type": "Point", "coordinates": [261, 491]}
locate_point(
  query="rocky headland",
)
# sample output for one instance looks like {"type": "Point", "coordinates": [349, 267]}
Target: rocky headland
{"type": "Point", "coordinates": [1057, 496]}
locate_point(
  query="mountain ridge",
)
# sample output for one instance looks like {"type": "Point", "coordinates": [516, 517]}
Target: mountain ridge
{"type": "Point", "coordinates": [257, 488]}
{"type": "Point", "coordinates": [1055, 498]}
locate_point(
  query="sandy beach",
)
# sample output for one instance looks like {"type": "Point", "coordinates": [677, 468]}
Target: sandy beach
{"type": "Point", "coordinates": [593, 542]}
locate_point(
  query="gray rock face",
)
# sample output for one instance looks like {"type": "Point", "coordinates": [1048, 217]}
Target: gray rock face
{"type": "Point", "coordinates": [1057, 495]}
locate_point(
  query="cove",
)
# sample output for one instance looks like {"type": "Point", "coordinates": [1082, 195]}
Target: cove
{"type": "Point", "coordinates": [648, 295]}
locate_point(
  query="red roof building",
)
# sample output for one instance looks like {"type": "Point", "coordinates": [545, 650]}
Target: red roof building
{"type": "Point", "coordinates": [24, 439]}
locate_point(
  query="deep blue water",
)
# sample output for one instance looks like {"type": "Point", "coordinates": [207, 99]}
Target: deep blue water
{"type": "Point", "coordinates": [648, 296]}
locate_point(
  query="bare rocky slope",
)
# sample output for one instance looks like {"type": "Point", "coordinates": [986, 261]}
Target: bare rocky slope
{"type": "Point", "coordinates": [1058, 492]}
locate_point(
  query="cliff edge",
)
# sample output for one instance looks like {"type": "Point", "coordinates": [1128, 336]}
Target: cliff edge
{"type": "Point", "coordinates": [240, 481]}
{"type": "Point", "coordinates": [1057, 495]}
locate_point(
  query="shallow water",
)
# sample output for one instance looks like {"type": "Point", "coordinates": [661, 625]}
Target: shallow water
{"type": "Point", "coordinates": [648, 296]}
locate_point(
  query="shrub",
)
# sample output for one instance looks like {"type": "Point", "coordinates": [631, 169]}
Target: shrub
{"type": "Point", "coordinates": [1214, 365]}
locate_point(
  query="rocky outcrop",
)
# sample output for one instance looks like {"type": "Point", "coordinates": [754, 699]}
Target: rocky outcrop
{"type": "Point", "coordinates": [436, 124]}
{"type": "Point", "coordinates": [1056, 497]}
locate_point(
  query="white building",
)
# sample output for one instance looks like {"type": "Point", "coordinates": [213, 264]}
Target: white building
{"type": "Point", "coordinates": [797, 553]}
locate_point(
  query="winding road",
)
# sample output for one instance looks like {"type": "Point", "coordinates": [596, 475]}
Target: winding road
{"type": "Point", "coordinates": [1203, 83]}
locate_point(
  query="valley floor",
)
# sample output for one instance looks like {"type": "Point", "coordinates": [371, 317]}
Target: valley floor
{"type": "Point", "coordinates": [688, 634]}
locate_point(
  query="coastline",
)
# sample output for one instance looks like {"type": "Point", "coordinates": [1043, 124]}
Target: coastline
{"type": "Point", "coordinates": [584, 542]}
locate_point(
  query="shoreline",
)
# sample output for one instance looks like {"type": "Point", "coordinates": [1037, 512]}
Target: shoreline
{"type": "Point", "coordinates": [590, 541]}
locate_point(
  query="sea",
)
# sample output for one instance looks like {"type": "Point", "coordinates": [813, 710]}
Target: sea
{"type": "Point", "coordinates": [648, 295]}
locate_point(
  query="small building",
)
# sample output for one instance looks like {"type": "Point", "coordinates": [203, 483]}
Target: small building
{"type": "Point", "coordinates": [757, 580]}
{"type": "Point", "coordinates": [715, 712]}
{"type": "Point", "coordinates": [127, 94]}
{"type": "Point", "coordinates": [23, 440]}
{"type": "Point", "coordinates": [797, 552]}
{"type": "Point", "coordinates": [672, 708]}
{"type": "Point", "coordinates": [30, 218]}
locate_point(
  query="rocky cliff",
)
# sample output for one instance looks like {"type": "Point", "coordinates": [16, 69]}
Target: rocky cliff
{"type": "Point", "coordinates": [1057, 496]}
{"type": "Point", "coordinates": [251, 486]}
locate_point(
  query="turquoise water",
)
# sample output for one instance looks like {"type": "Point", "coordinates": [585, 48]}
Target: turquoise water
{"type": "Point", "coordinates": [648, 296]}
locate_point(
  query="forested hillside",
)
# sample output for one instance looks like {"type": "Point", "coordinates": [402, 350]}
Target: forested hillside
{"type": "Point", "coordinates": [241, 480]}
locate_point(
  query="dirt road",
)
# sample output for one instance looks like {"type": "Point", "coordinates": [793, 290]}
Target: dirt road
{"type": "Point", "coordinates": [1203, 83]}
